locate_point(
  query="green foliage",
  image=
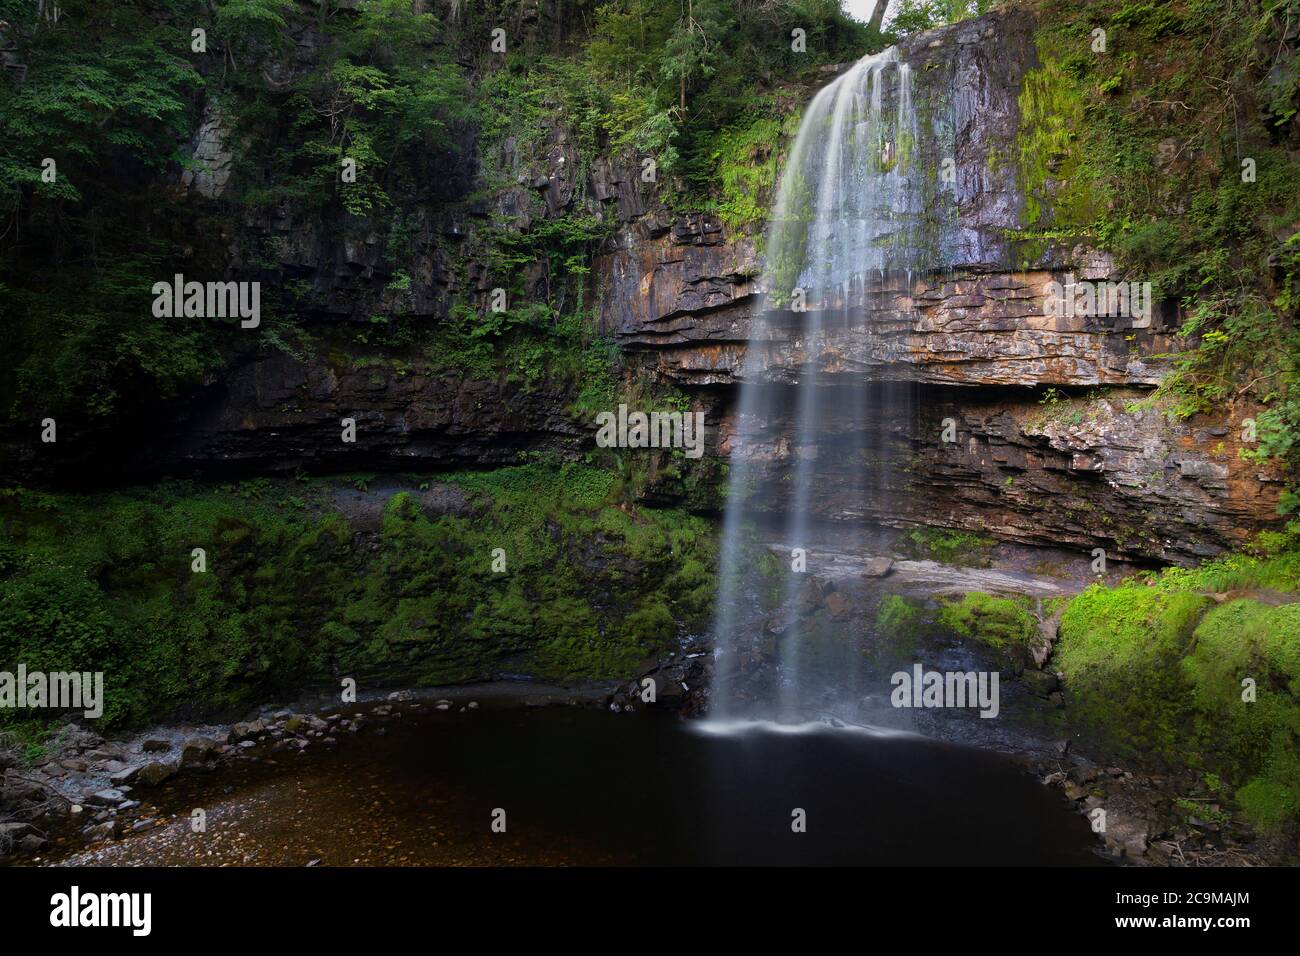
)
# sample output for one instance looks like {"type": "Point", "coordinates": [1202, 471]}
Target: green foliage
{"type": "Point", "coordinates": [118, 91]}
{"type": "Point", "coordinates": [100, 86]}
{"type": "Point", "coordinates": [1270, 561]}
{"type": "Point", "coordinates": [1174, 149]}
{"type": "Point", "coordinates": [248, 25]}
{"type": "Point", "coordinates": [377, 93]}
{"type": "Point", "coordinates": [693, 45]}
{"type": "Point", "coordinates": [745, 162]}
{"type": "Point", "coordinates": [695, 87]}
{"type": "Point", "coordinates": [1271, 801]}
{"type": "Point", "coordinates": [915, 16]}
{"type": "Point", "coordinates": [104, 93]}
{"type": "Point", "coordinates": [85, 349]}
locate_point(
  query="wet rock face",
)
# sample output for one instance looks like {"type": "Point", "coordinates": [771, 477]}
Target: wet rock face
{"type": "Point", "coordinates": [967, 80]}
{"type": "Point", "coordinates": [975, 310]}
{"type": "Point", "coordinates": [969, 329]}
{"type": "Point", "coordinates": [1082, 472]}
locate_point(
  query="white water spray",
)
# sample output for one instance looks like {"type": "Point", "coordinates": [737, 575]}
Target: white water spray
{"type": "Point", "coordinates": [844, 233]}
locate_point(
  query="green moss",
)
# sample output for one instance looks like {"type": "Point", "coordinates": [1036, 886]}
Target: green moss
{"type": "Point", "coordinates": [998, 622]}
{"type": "Point", "coordinates": [290, 597]}
{"type": "Point", "coordinates": [1246, 640]}
{"type": "Point", "coordinates": [747, 158]}
{"type": "Point", "coordinates": [900, 624]}
{"type": "Point", "coordinates": [31, 739]}
{"type": "Point", "coordinates": [899, 618]}
{"type": "Point", "coordinates": [1162, 671]}
{"type": "Point", "coordinates": [1272, 801]}
{"type": "Point", "coordinates": [649, 628]}
{"type": "Point", "coordinates": [1054, 604]}
{"type": "Point", "coordinates": [1270, 562]}
{"type": "Point", "coordinates": [1119, 651]}
{"type": "Point", "coordinates": [950, 546]}
{"type": "Point", "coordinates": [1053, 180]}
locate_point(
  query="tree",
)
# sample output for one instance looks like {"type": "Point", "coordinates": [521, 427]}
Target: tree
{"type": "Point", "coordinates": [877, 20]}
{"type": "Point", "coordinates": [692, 47]}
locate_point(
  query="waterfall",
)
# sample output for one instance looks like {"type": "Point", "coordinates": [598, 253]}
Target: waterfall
{"type": "Point", "coordinates": [843, 240]}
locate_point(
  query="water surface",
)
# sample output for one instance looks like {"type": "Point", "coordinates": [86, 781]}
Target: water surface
{"type": "Point", "coordinates": [583, 786]}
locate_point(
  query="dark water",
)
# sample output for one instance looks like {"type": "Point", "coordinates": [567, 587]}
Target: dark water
{"type": "Point", "coordinates": [589, 787]}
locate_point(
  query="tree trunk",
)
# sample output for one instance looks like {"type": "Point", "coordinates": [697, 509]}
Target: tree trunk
{"type": "Point", "coordinates": [877, 20]}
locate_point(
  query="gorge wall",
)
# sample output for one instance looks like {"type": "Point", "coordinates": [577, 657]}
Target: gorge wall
{"type": "Point", "coordinates": [1089, 463]}
{"type": "Point", "coordinates": [1052, 437]}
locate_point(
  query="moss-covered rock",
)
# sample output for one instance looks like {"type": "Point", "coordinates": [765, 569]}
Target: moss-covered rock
{"type": "Point", "coordinates": [1006, 626]}
{"type": "Point", "coordinates": [1244, 672]}
{"type": "Point", "coordinates": [1167, 672]}
{"type": "Point", "coordinates": [1119, 652]}
{"type": "Point", "coordinates": [900, 618]}
{"type": "Point", "coordinates": [999, 622]}
{"type": "Point", "coordinates": [900, 624]}
{"type": "Point", "coordinates": [534, 569]}
{"type": "Point", "coordinates": [949, 546]}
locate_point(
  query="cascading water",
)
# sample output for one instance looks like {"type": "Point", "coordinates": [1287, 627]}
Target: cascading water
{"type": "Point", "coordinates": [842, 240]}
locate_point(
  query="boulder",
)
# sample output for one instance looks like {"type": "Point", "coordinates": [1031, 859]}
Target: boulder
{"type": "Point", "coordinates": [196, 751]}
{"type": "Point", "coordinates": [32, 843]}
{"type": "Point", "coordinates": [878, 567]}
{"type": "Point", "coordinates": [838, 605]}
{"type": "Point", "coordinates": [1126, 836]}
{"type": "Point", "coordinates": [248, 730]}
{"type": "Point", "coordinates": [155, 772]}
{"type": "Point", "coordinates": [107, 830]}
{"type": "Point", "coordinates": [11, 834]}
{"type": "Point", "coordinates": [124, 776]}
